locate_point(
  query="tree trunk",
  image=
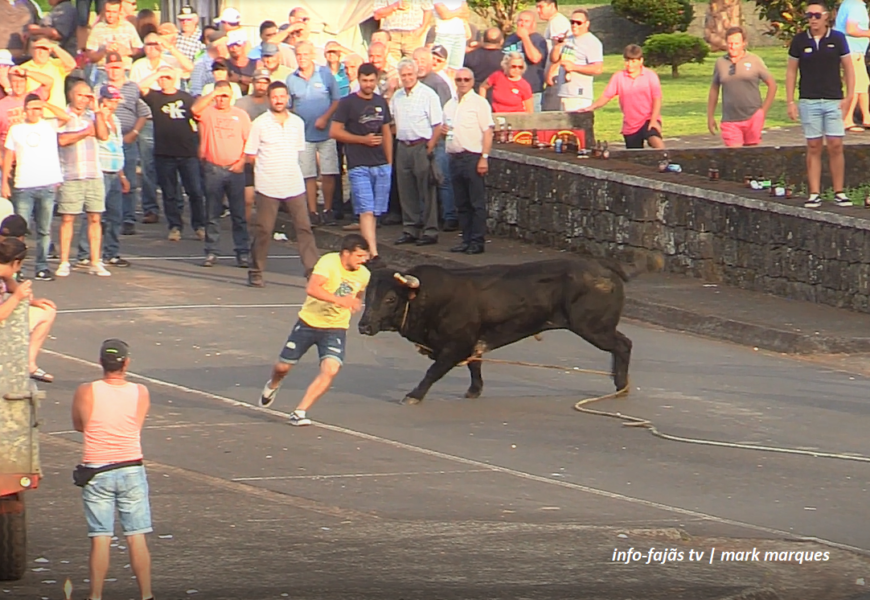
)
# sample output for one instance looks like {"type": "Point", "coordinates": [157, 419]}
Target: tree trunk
{"type": "Point", "coordinates": [502, 13]}
{"type": "Point", "coordinates": [675, 71]}
{"type": "Point", "coordinates": [721, 14]}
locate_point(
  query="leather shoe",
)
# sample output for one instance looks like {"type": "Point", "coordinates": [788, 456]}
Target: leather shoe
{"type": "Point", "coordinates": [475, 249]}
{"type": "Point", "coordinates": [427, 241]}
{"type": "Point", "coordinates": [463, 247]}
{"type": "Point", "coordinates": [405, 238]}
{"type": "Point", "coordinates": [451, 225]}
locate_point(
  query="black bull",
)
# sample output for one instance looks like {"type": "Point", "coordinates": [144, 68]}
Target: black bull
{"type": "Point", "coordinates": [454, 314]}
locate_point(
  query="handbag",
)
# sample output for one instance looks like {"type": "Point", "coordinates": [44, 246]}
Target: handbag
{"type": "Point", "coordinates": [82, 475]}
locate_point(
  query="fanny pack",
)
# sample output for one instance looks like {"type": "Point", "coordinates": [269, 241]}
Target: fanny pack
{"type": "Point", "coordinates": [83, 475]}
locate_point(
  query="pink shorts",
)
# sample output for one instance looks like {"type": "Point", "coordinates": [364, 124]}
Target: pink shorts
{"type": "Point", "coordinates": [743, 133]}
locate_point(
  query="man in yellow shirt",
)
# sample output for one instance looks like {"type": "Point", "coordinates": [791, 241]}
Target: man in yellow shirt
{"type": "Point", "coordinates": [335, 291]}
{"type": "Point", "coordinates": [57, 67]}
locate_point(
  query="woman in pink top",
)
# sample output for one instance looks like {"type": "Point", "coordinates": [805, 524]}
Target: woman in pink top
{"type": "Point", "coordinates": [510, 92]}
{"type": "Point", "coordinates": [110, 413]}
{"type": "Point", "coordinates": [640, 99]}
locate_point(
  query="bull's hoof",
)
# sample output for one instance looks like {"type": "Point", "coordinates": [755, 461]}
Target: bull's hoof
{"type": "Point", "coordinates": [410, 400]}
{"type": "Point", "coordinates": [472, 393]}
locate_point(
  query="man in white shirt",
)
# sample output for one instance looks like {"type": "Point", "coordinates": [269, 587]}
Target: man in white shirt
{"type": "Point", "coordinates": [275, 142]}
{"type": "Point", "coordinates": [468, 127]}
{"type": "Point", "coordinates": [580, 57]}
{"type": "Point", "coordinates": [558, 28]}
{"type": "Point", "coordinates": [417, 114]}
{"type": "Point", "coordinates": [32, 146]}
{"type": "Point", "coordinates": [451, 29]}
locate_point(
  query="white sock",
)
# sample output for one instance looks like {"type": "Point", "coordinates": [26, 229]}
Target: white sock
{"type": "Point", "coordinates": [300, 413]}
{"type": "Point", "coordinates": [813, 197]}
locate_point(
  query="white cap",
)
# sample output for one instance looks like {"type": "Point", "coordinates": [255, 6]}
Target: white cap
{"type": "Point", "coordinates": [236, 37]}
{"type": "Point", "coordinates": [6, 59]}
{"type": "Point", "coordinates": [231, 15]}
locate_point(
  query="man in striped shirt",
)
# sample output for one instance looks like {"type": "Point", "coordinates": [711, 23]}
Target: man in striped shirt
{"type": "Point", "coordinates": [275, 142]}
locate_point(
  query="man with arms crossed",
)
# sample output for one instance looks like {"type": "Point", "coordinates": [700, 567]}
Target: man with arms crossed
{"type": "Point", "coordinates": [335, 291]}
{"type": "Point", "coordinates": [110, 413]}
{"type": "Point", "coordinates": [362, 124]}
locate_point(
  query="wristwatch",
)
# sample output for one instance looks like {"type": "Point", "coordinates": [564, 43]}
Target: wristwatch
{"type": "Point", "coordinates": [484, 156]}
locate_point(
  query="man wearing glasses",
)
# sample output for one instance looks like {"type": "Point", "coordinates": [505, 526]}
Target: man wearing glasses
{"type": "Point", "coordinates": [739, 73]}
{"type": "Point", "coordinates": [468, 129]}
{"type": "Point", "coordinates": [818, 54]}
{"type": "Point", "coordinates": [580, 57]}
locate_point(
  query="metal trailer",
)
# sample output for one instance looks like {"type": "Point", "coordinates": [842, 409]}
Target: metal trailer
{"type": "Point", "coordinates": [20, 470]}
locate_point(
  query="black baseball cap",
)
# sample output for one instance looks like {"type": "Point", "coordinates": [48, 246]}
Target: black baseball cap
{"type": "Point", "coordinates": [14, 226]}
{"type": "Point", "coordinates": [114, 352]}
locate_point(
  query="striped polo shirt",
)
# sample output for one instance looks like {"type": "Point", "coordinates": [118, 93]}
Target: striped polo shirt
{"type": "Point", "coordinates": [277, 147]}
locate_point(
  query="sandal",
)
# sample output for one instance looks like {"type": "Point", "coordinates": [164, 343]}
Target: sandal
{"type": "Point", "coordinates": [40, 375]}
{"type": "Point", "coordinates": [855, 129]}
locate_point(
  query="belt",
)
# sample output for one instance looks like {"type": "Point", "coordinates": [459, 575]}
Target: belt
{"type": "Point", "coordinates": [414, 142]}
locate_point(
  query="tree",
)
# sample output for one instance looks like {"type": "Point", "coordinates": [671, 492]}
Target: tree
{"type": "Point", "coordinates": [785, 16]}
{"type": "Point", "coordinates": [721, 14]}
{"type": "Point", "coordinates": [501, 12]}
{"type": "Point", "coordinates": [661, 16]}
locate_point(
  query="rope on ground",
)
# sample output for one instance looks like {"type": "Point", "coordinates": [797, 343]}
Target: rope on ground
{"type": "Point", "coordinates": [631, 421]}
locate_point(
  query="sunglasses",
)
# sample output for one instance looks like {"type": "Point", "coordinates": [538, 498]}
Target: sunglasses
{"type": "Point", "coordinates": [462, 79]}
{"type": "Point", "coordinates": [732, 69]}
{"type": "Point", "coordinates": [305, 19]}
{"type": "Point", "coordinates": [578, 23]}
{"type": "Point", "coordinates": [517, 66]}
{"type": "Point", "coordinates": [152, 44]}
{"type": "Point", "coordinates": [814, 15]}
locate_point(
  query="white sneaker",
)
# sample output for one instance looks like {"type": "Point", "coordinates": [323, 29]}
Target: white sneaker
{"type": "Point", "coordinates": [62, 270]}
{"type": "Point", "coordinates": [99, 270]}
{"type": "Point", "coordinates": [298, 421]}
{"type": "Point", "coordinates": [267, 397]}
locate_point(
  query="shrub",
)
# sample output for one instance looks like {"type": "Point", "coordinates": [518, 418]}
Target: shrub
{"type": "Point", "coordinates": [674, 49]}
{"type": "Point", "coordinates": [662, 16]}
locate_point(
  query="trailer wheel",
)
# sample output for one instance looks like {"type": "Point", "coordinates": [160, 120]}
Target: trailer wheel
{"type": "Point", "coordinates": [13, 538]}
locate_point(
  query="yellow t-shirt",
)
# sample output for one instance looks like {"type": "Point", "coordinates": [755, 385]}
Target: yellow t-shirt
{"type": "Point", "coordinates": [341, 282]}
{"type": "Point", "coordinates": [54, 69]}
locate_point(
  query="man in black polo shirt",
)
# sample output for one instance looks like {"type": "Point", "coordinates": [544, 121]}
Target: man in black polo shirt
{"type": "Point", "coordinates": [818, 53]}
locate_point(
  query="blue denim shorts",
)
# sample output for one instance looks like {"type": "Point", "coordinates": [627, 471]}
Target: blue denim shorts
{"type": "Point", "coordinates": [125, 489]}
{"type": "Point", "coordinates": [330, 343]}
{"type": "Point", "coordinates": [821, 118]}
{"type": "Point", "coordinates": [370, 189]}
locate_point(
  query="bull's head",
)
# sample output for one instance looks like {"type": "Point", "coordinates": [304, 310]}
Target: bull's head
{"type": "Point", "coordinates": [387, 298]}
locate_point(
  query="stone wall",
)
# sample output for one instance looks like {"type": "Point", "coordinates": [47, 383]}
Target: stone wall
{"type": "Point", "coordinates": [718, 236]}
{"type": "Point", "coordinates": [774, 162]}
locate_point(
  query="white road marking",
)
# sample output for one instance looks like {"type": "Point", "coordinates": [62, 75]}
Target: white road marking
{"type": "Point", "coordinates": [358, 475]}
{"type": "Point", "coordinates": [482, 465]}
{"type": "Point", "coordinates": [71, 311]}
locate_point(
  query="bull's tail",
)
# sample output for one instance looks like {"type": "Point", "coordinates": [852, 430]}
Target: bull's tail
{"type": "Point", "coordinates": [644, 261]}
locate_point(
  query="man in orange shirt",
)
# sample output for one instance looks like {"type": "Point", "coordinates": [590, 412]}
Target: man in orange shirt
{"type": "Point", "coordinates": [223, 131]}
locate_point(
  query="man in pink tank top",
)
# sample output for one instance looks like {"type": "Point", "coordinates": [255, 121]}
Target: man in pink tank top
{"type": "Point", "coordinates": [110, 413]}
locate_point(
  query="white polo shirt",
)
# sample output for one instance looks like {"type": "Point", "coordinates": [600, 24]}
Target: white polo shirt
{"type": "Point", "coordinates": [416, 114]}
{"type": "Point", "coordinates": [277, 148]}
{"type": "Point", "coordinates": [469, 117]}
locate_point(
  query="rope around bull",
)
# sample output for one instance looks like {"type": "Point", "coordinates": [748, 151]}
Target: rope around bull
{"type": "Point", "coordinates": [638, 422]}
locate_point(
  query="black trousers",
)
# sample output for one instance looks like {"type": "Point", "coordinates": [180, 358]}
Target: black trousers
{"type": "Point", "coordinates": [469, 194]}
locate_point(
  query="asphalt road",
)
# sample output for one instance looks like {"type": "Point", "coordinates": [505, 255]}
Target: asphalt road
{"type": "Point", "coordinates": [513, 494]}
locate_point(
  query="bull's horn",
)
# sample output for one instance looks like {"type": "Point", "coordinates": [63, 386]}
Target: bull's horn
{"type": "Point", "coordinates": [407, 280]}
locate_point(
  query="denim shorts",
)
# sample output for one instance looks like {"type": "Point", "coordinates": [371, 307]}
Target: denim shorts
{"type": "Point", "coordinates": [126, 489]}
{"type": "Point", "coordinates": [370, 189]}
{"type": "Point", "coordinates": [821, 118]}
{"type": "Point", "coordinates": [330, 343]}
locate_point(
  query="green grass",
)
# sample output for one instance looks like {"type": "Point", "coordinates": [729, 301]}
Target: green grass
{"type": "Point", "coordinates": [140, 4]}
{"type": "Point", "coordinates": [684, 99]}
